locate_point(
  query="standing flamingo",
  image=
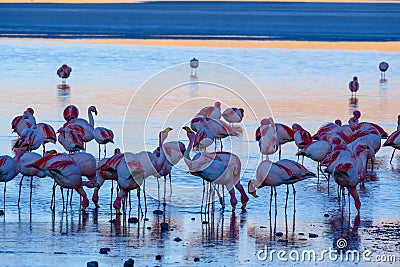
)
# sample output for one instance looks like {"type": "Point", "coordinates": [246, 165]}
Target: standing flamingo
{"type": "Point", "coordinates": [27, 170]}
{"type": "Point", "coordinates": [88, 126]}
{"type": "Point", "coordinates": [9, 168]}
{"type": "Point", "coordinates": [64, 72]}
{"type": "Point", "coordinates": [194, 64]}
{"type": "Point", "coordinates": [346, 175]}
{"type": "Point", "coordinates": [211, 112]}
{"type": "Point", "coordinates": [218, 168]}
{"type": "Point", "coordinates": [284, 134]}
{"type": "Point", "coordinates": [48, 134]}
{"type": "Point", "coordinates": [353, 86]}
{"type": "Point", "coordinates": [233, 115]}
{"type": "Point", "coordinates": [203, 139]}
{"type": "Point", "coordinates": [266, 136]}
{"type": "Point", "coordinates": [30, 139]}
{"type": "Point", "coordinates": [383, 67]}
{"type": "Point", "coordinates": [103, 136]}
{"type": "Point", "coordinates": [70, 112]}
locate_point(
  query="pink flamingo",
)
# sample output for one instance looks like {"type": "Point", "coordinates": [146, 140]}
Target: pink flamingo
{"type": "Point", "coordinates": [71, 138]}
{"type": "Point", "coordinates": [103, 136]}
{"type": "Point", "coordinates": [316, 151]}
{"type": "Point", "coordinates": [203, 139]}
{"type": "Point", "coordinates": [217, 168]}
{"type": "Point", "coordinates": [353, 86]}
{"type": "Point", "coordinates": [301, 137]}
{"type": "Point", "coordinates": [394, 139]}
{"type": "Point", "coordinates": [88, 127]}
{"type": "Point", "coordinates": [233, 115]}
{"type": "Point", "coordinates": [27, 120]}
{"type": "Point", "coordinates": [48, 134]}
{"type": "Point", "coordinates": [30, 139]}
{"type": "Point", "coordinates": [64, 72]}
{"type": "Point", "coordinates": [267, 138]}
{"type": "Point", "coordinates": [107, 170]}
{"type": "Point", "coordinates": [9, 168]}
{"type": "Point", "coordinates": [353, 121]}
{"type": "Point", "coordinates": [70, 112]}
{"type": "Point", "coordinates": [26, 169]}
{"type": "Point", "coordinates": [346, 175]}
{"type": "Point", "coordinates": [211, 112]}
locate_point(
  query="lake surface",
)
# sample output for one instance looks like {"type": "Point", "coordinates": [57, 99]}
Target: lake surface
{"type": "Point", "coordinates": [205, 20]}
{"type": "Point", "coordinates": [304, 86]}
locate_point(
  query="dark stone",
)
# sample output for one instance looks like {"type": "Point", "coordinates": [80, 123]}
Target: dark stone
{"type": "Point", "coordinates": [58, 252]}
{"type": "Point", "coordinates": [261, 226]}
{"type": "Point", "coordinates": [312, 235]}
{"type": "Point", "coordinates": [303, 239]}
{"type": "Point", "coordinates": [148, 228]}
{"type": "Point", "coordinates": [196, 259]}
{"type": "Point", "coordinates": [326, 215]}
{"type": "Point", "coordinates": [92, 264]}
{"type": "Point", "coordinates": [146, 219]}
{"type": "Point", "coordinates": [133, 220]}
{"type": "Point", "coordinates": [1, 212]}
{"type": "Point", "coordinates": [158, 257]}
{"type": "Point", "coordinates": [193, 219]}
{"type": "Point", "coordinates": [104, 250]}
{"type": "Point", "coordinates": [112, 221]}
{"type": "Point", "coordinates": [279, 234]}
{"type": "Point", "coordinates": [177, 239]}
{"type": "Point", "coordinates": [204, 222]}
{"type": "Point", "coordinates": [301, 233]}
{"type": "Point", "coordinates": [158, 212]}
{"type": "Point", "coordinates": [164, 226]}
{"type": "Point", "coordinates": [129, 263]}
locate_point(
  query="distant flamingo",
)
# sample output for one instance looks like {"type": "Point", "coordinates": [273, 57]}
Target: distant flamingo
{"type": "Point", "coordinates": [353, 86]}
{"type": "Point", "coordinates": [211, 112]}
{"type": "Point", "coordinates": [383, 67]}
{"type": "Point", "coordinates": [218, 168]}
{"type": "Point", "coordinates": [64, 72]}
{"type": "Point", "coordinates": [233, 115]}
{"type": "Point", "coordinates": [194, 64]}
{"type": "Point", "coordinates": [9, 168]}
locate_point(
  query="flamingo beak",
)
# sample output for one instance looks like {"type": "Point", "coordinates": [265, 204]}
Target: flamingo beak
{"type": "Point", "coordinates": [167, 130]}
{"type": "Point", "coordinates": [187, 129]}
{"type": "Point", "coordinates": [254, 194]}
{"type": "Point", "coordinates": [95, 184]}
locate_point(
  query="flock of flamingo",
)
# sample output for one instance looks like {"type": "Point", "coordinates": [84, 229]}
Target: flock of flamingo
{"type": "Point", "coordinates": [343, 149]}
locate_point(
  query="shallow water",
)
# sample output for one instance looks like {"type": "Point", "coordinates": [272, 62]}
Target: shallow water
{"type": "Point", "coordinates": [304, 86]}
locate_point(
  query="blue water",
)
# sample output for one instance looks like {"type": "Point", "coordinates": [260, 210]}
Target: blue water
{"type": "Point", "coordinates": [205, 20]}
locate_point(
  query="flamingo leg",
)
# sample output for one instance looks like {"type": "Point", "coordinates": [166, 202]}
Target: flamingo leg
{"type": "Point", "coordinates": [30, 196]}
{"type": "Point", "coordinates": [165, 191]}
{"type": "Point", "coordinates": [170, 183]}
{"type": "Point", "coordinates": [99, 151]}
{"type": "Point", "coordinates": [287, 197]}
{"type": "Point", "coordinates": [394, 150]}
{"type": "Point", "coordinates": [294, 199]}
{"type": "Point", "coordinates": [4, 196]}
{"type": "Point", "coordinates": [62, 196]}
{"type": "Point", "coordinates": [20, 185]}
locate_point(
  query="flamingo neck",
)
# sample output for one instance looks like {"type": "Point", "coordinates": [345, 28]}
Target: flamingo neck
{"type": "Point", "coordinates": [186, 155]}
{"type": "Point", "coordinates": [90, 116]}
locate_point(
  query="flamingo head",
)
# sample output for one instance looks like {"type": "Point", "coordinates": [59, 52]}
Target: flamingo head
{"type": "Point", "coordinates": [190, 134]}
{"type": "Point", "coordinates": [30, 111]}
{"type": "Point", "coordinates": [361, 148]}
{"type": "Point", "coordinates": [251, 189]}
{"type": "Point", "coordinates": [265, 121]}
{"type": "Point", "coordinates": [164, 133]}
{"type": "Point", "coordinates": [296, 127]}
{"type": "Point", "coordinates": [355, 78]}
{"type": "Point", "coordinates": [61, 131]}
{"type": "Point", "coordinates": [356, 114]}
{"type": "Point", "coordinates": [338, 122]}
{"type": "Point", "coordinates": [19, 152]}
{"type": "Point", "coordinates": [93, 109]}
{"type": "Point", "coordinates": [117, 151]}
{"type": "Point", "coordinates": [354, 194]}
{"type": "Point", "coordinates": [241, 111]}
{"type": "Point", "coordinates": [398, 119]}
{"type": "Point", "coordinates": [217, 104]}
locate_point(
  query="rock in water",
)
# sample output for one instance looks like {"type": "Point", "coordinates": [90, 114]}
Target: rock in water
{"type": "Point", "coordinates": [164, 226]}
{"type": "Point", "coordinates": [158, 257]}
{"type": "Point", "coordinates": [133, 220]}
{"type": "Point", "coordinates": [1, 212]}
{"type": "Point", "coordinates": [104, 250]}
{"type": "Point", "coordinates": [196, 259]}
{"type": "Point", "coordinates": [129, 263]}
{"type": "Point", "coordinates": [92, 264]}
{"type": "Point", "coordinates": [177, 239]}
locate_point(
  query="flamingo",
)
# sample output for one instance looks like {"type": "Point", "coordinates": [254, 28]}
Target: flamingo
{"type": "Point", "coordinates": [48, 134]}
{"type": "Point", "coordinates": [134, 168]}
{"type": "Point", "coordinates": [27, 120]}
{"type": "Point", "coordinates": [346, 175]}
{"type": "Point", "coordinates": [353, 121]}
{"type": "Point", "coordinates": [301, 137]}
{"type": "Point", "coordinates": [107, 170]}
{"type": "Point", "coordinates": [71, 138]}
{"type": "Point", "coordinates": [266, 135]}
{"type": "Point", "coordinates": [70, 112]}
{"type": "Point", "coordinates": [102, 137]}
{"type": "Point", "coordinates": [30, 139]}
{"type": "Point", "coordinates": [394, 139]}
{"type": "Point", "coordinates": [26, 169]}
{"type": "Point", "coordinates": [9, 168]}
{"type": "Point", "coordinates": [194, 64]}
{"type": "Point", "coordinates": [203, 139]}
{"type": "Point", "coordinates": [353, 86]}
{"type": "Point", "coordinates": [218, 128]}
{"type": "Point", "coordinates": [317, 151]}
{"type": "Point", "coordinates": [218, 168]}
{"type": "Point", "coordinates": [211, 112]}
{"type": "Point", "coordinates": [88, 127]}
{"type": "Point", "coordinates": [64, 72]}
{"type": "Point", "coordinates": [383, 67]}
{"type": "Point", "coordinates": [284, 134]}
{"type": "Point", "coordinates": [233, 115]}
